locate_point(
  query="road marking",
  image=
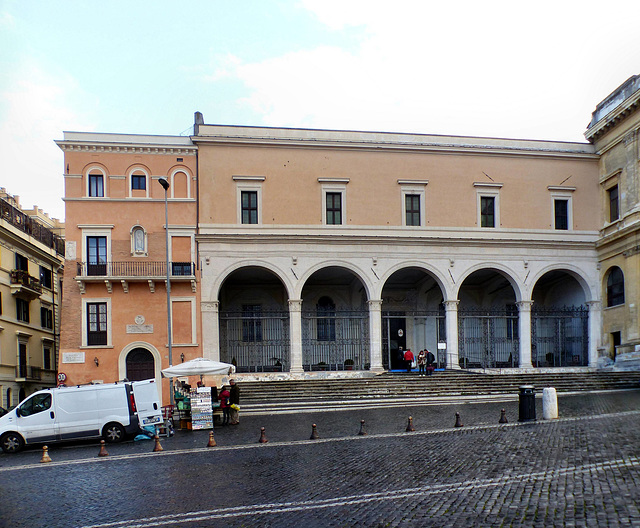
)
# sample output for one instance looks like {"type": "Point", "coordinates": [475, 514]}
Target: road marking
{"type": "Point", "coordinates": [392, 495]}
{"type": "Point", "coordinates": [452, 430]}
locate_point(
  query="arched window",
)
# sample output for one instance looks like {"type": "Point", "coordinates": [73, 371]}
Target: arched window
{"type": "Point", "coordinates": [615, 287]}
{"type": "Point", "coordinates": [326, 316]}
{"type": "Point", "coordinates": [95, 183]}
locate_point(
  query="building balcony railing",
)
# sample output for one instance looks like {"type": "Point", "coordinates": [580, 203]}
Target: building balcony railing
{"type": "Point", "coordinates": [25, 372]}
{"type": "Point", "coordinates": [24, 285]}
{"type": "Point", "coordinates": [134, 271]}
{"type": "Point", "coordinates": [31, 227]}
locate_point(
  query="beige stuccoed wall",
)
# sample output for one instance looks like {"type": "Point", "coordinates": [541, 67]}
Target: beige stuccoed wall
{"type": "Point", "coordinates": [292, 195]}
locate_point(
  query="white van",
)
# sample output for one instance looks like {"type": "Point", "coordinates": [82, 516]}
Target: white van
{"type": "Point", "coordinates": [111, 411]}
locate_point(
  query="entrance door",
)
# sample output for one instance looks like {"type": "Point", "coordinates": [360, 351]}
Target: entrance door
{"type": "Point", "coordinates": [397, 338]}
{"type": "Point", "coordinates": [140, 365]}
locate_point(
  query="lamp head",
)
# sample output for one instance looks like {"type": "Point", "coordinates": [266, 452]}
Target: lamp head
{"type": "Point", "coordinates": [164, 183]}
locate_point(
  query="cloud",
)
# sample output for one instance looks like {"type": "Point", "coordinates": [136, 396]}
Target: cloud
{"type": "Point", "coordinates": [35, 106]}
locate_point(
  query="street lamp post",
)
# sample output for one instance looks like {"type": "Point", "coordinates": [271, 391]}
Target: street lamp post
{"type": "Point", "coordinates": [165, 186]}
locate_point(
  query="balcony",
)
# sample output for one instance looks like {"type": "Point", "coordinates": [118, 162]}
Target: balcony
{"type": "Point", "coordinates": [28, 373]}
{"type": "Point", "coordinates": [24, 285]}
{"type": "Point", "coordinates": [134, 271]}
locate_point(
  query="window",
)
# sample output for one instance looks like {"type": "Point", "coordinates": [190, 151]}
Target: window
{"type": "Point", "coordinates": [251, 322]}
{"type": "Point", "coordinates": [22, 310]}
{"type": "Point", "coordinates": [96, 255]}
{"type": "Point", "coordinates": [45, 278]}
{"type": "Point", "coordinates": [138, 182]}
{"type": "Point", "coordinates": [22, 263]}
{"type": "Point", "coordinates": [249, 200]}
{"type": "Point", "coordinates": [334, 208]}
{"type": "Point", "coordinates": [96, 184]}
{"type": "Point", "coordinates": [614, 206]}
{"type": "Point", "coordinates": [326, 317]}
{"type": "Point", "coordinates": [487, 211]}
{"type": "Point", "coordinates": [615, 287]}
{"type": "Point", "coordinates": [561, 214]}
{"type": "Point", "coordinates": [46, 318]}
{"type": "Point", "coordinates": [96, 324]}
{"type": "Point", "coordinates": [412, 209]}
{"type": "Point", "coordinates": [38, 403]}
{"type": "Point", "coordinates": [46, 357]}
{"type": "Point", "coordinates": [181, 269]}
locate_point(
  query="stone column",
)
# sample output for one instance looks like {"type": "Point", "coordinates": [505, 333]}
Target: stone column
{"type": "Point", "coordinates": [524, 331]}
{"type": "Point", "coordinates": [375, 335]}
{"type": "Point", "coordinates": [451, 322]}
{"type": "Point", "coordinates": [211, 330]}
{"type": "Point", "coordinates": [595, 324]}
{"type": "Point", "coordinates": [295, 331]}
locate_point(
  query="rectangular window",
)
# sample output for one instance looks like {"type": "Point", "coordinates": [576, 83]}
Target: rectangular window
{"type": "Point", "coordinates": [614, 206]}
{"type": "Point", "coordinates": [96, 324]}
{"type": "Point", "coordinates": [412, 209]}
{"type": "Point", "coordinates": [96, 255]}
{"type": "Point", "coordinates": [45, 277]}
{"type": "Point", "coordinates": [139, 182]}
{"type": "Point", "coordinates": [22, 310]}
{"type": "Point", "coordinates": [96, 185]}
{"type": "Point", "coordinates": [251, 323]}
{"type": "Point", "coordinates": [22, 262]}
{"type": "Point", "coordinates": [334, 208]}
{"type": "Point", "coordinates": [561, 214]}
{"type": "Point", "coordinates": [487, 211]}
{"type": "Point", "coordinates": [46, 358]}
{"type": "Point", "coordinates": [249, 207]}
{"type": "Point", "coordinates": [46, 318]}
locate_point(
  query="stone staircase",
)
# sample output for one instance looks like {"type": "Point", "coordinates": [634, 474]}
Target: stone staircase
{"type": "Point", "coordinates": [258, 397]}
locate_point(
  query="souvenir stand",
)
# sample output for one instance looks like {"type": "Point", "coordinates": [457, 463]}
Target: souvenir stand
{"type": "Point", "coordinates": [194, 406]}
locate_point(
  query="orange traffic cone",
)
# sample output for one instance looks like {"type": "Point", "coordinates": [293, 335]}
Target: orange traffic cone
{"type": "Point", "coordinates": [157, 447]}
{"type": "Point", "coordinates": [263, 436]}
{"type": "Point", "coordinates": [410, 427]}
{"type": "Point", "coordinates": [103, 449]}
{"type": "Point", "coordinates": [45, 454]}
{"type": "Point", "coordinates": [212, 440]}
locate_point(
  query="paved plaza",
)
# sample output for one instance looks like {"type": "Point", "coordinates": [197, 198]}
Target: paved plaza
{"type": "Point", "coordinates": [580, 470]}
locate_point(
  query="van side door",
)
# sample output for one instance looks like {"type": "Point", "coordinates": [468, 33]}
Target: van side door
{"type": "Point", "coordinates": [36, 418]}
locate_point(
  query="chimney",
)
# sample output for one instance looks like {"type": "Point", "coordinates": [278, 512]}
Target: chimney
{"type": "Point", "coordinates": [198, 120]}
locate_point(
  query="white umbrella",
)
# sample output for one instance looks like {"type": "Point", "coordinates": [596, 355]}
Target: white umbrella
{"type": "Point", "coordinates": [199, 366]}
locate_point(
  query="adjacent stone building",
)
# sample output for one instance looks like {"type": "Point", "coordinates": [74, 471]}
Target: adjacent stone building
{"type": "Point", "coordinates": [31, 257]}
{"type": "Point", "coordinates": [614, 133]}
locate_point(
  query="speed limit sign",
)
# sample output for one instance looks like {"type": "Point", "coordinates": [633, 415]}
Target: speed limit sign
{"type": "Point", "coordinates": [62, 377]}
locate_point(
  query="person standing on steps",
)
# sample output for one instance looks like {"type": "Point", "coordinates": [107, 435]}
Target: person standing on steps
{"type": "Point", "coordinates": [408, 359]}
{"type": "Point", "coordinates": [224, 405]}
{"type": "Point", "coordinates": [422, 361]}
{"type": "Point", "coordinates": [430, 359]}
{"type": "Point", "coordinates": [234, 401]}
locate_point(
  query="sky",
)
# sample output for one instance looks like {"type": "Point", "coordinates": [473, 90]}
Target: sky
{"type": "Point", "coordinates": [509, 69]}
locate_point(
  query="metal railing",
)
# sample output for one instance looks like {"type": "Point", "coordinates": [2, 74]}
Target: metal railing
{"type": "Point", "coordinates": [134, 268]}
{"type": "Point", "coordinates": [23, 278]}
{"type": "Point", "coordinates": [30, 226]}
{"type": "Point", "coordinates": [28, 372]}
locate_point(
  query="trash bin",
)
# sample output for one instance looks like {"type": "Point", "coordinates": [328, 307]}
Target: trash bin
{"type": "Point", "coordinates": [527, 404]}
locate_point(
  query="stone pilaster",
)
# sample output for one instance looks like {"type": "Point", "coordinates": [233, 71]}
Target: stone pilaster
{"type": "Point", "coordinates": [524, 331]}
{"type": "Point", "coordinates": [595, 324]}
{"type": "Point", "coordinates": [375, 334]}
{"type": "Point", "coordinates": [211, 330]}
{"type": "Point", "coordinates": [451, 322]}
{"type": "Point", "coordinates": [295, 332]}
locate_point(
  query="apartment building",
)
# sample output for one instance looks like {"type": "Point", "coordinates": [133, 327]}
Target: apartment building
{"type": "Point", "coordinates": [117, 239]}
{"type": "Point", "coordinates": [31, 258]}
{"type": "Point", "coordinates": [614, 133]}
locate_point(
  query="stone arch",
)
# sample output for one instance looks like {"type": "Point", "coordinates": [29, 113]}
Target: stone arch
{"type": "Point", "coordinates": [357, 271]}
{"type": "Point", "coordinates": [122, 358]}
{"type": "Point", "coordinates": [444, 284]}
{"type": "Point", "coordinates": [214, 292]}
{"type": "Point", "coordinates": [508, 273]}
{"type": "Point", "coordinates": [573, 271]}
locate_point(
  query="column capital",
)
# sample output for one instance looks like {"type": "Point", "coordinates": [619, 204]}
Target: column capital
{"type": "Point", "coordinates": [524, 306]}
{"type": "Point", "coordinates": [210, 306]}
{"type": "Point", "coordinates": [295, 305]}
{"type": "Point", "coordinates": [594, 305]}
{"type": "Point", "coordinates": [451, 305]}
{"type": "Point", "coordinates": [375, 304]}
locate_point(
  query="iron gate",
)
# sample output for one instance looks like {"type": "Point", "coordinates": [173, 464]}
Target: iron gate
{"type": "Point", "coordinates": [488, 338]}
{"type": "Point", "coordinates": [429, 329]}
{"type": "Point", "coordinates": [335, 340]}
{"type": "Point", "coordinates": [255, 341]}
{"type": "Point", "coordinates": [560, 337]}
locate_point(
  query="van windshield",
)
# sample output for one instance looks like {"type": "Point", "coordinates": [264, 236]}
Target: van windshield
{"type": "Point", "coordinates": [39, 403]}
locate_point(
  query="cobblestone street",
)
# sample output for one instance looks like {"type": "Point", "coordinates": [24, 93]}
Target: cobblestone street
{"type": "Point", "coordinates": [583, 469]}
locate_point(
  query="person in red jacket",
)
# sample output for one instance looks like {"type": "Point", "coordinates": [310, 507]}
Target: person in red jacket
{"type": "Point", "coordinates": [225, 405]}
{"type": "Point", "coordinates": [408, 359]}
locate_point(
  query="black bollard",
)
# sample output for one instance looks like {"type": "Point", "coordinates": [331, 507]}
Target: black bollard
{"type": "Point", "coordinates": [503, 417]}
{"type": "Point", "coordinates": [263, 436]}
{"type": "Point", "coordinates": [410, 427]}
{"type": "Point", "coordinates": [458, 420]}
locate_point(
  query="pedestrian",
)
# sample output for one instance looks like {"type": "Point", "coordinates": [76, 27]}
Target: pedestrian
{"type": "Point", "coordinates": [422, 361]}
{"type": "Point", "coordinates": [408, 359]}
{"type": "Point", "coordinates": [400, 357]}
{"type": "Point", "coordinates": [234, 400]}
{"type": "Point", "coordinates": [431, 359]}
{"type": "Point", "coordinates": [224, 405]}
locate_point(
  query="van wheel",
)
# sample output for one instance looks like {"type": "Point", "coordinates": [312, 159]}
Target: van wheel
{"type": "Point", "coordinates": [113, 433]}
{"type": "Point", "coordinates": [11, 442]}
